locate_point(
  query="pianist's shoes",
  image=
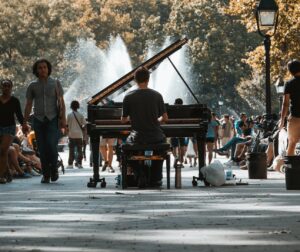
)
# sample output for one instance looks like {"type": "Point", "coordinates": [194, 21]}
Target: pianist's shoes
{"type": "Point", "coordinates": [110, 169]}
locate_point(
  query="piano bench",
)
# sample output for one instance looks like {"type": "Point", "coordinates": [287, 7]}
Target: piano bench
{"type": "Point", "coordinates": [143, 147]}
{"type": "Point", "coordinates": [136, 152]}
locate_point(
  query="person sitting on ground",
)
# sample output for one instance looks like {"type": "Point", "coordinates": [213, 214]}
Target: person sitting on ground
{"type": "Point", "coordinates": [16, 171]}
{"type": "Point", "coordinates": [243, 147]}
{"type": "Point", "coordinates": [75, 124]}
{"type": "Point", "coordinates": [292, 99]}
{"type": "Point", "coordinates": [243, 138]}
{"type": "Point", "coordinates": [146, 110]}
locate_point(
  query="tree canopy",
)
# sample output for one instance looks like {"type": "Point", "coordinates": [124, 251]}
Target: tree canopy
{"type": "Point", "coordinates": [225, 51]}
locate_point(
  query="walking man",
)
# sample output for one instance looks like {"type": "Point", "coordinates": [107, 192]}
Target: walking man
{"type": "Point", "coordinates": [46, 94]}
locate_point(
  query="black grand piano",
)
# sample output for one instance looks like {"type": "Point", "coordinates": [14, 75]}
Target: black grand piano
{"type": "Point", "coordinates": [104, 119]}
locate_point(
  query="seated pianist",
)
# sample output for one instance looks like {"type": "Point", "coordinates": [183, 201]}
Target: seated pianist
{"type": "Point", "coordinates": [145, 109]}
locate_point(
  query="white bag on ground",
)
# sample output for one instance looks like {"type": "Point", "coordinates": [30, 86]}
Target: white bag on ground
{"type": "Point", "coordinates": [190, 149]}
{"type": "Point", "coordinates": [214, 173]}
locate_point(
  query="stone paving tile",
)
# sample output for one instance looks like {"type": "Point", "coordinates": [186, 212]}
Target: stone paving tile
{"type": "Point", "coordinates": [68, 216]}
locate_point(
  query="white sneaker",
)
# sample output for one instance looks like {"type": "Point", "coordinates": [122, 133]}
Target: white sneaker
{"type": "Point", "coordinates": [70, 167]}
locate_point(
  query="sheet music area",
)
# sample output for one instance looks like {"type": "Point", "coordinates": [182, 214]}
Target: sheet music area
{"type": "Point", "coordinates": [184, 120]}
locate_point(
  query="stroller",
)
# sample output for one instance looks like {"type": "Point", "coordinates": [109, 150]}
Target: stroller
{"type": "Point", "coordinates": [60, 164]}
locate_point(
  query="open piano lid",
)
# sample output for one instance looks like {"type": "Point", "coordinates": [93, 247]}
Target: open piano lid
{"type": "Point", "coordinates": [124, 83]}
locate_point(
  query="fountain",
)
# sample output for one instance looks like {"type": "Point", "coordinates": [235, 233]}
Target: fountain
{"type": "Point", "coordinates": [165, 79]}
{"type": "Point", "coordinates": [95, 69]}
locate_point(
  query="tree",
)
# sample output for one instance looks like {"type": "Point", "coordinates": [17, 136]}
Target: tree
{"type": "Point", "coordinates": [285, 43]}
{"type": "Point", "coordinates": [33, 29]}
{"type": "Point", "coordinates": [218, 43]}
{"type": "Point", "coordinates": [137, 22]}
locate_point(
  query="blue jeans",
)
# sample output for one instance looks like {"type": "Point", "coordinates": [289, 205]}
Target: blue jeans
{"type": "Point", "coordinates": [47, 134]}
{"type": "Point", "coordinates": [232, 144]}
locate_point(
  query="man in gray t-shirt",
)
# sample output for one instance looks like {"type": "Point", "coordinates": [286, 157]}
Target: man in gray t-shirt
{"type": "Point", "coordinates": [145, 109]}
{"type": "Point", "coordinates": [45, 93]}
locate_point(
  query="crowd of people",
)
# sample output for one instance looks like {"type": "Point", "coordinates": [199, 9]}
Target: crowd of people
{"type": "Point", "coordinates": [31, 148]}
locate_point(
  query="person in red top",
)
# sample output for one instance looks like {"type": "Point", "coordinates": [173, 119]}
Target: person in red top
{"type": "Point", "coordinates": [292, 100]}
{"type": "Point", "coordinates": [9, 108]}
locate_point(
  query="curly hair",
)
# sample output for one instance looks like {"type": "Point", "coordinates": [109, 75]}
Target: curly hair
{"type": "Point", "coordinates": [35, 67]}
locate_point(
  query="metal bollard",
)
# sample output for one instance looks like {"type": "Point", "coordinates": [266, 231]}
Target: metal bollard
{"type": "Point", "coordinates": [148, 153]}
{"type": "Point", "coordinates": [177, 177]}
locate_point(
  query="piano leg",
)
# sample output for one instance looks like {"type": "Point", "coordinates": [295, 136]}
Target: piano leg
{"type": "Point", "coordinates": [201, 159]}
{"type": "Point", "coordinates": [95, 143]}
{"type": "Point", "coordinates": [201, 153]}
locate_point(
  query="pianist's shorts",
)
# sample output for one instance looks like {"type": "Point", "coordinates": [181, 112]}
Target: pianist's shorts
{"type": "Point", "coordinates": [108, 141]}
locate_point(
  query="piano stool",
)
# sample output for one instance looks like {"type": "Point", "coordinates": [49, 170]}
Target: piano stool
{"type": "Point", "coordinates": [135, 152]}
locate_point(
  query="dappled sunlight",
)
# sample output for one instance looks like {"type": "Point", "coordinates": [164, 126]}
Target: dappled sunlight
{"type": "Point", "coordinates": [67, 216]}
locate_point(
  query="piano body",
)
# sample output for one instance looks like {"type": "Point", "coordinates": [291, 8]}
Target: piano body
{"type": "Point", "coordinates": [104, 120]}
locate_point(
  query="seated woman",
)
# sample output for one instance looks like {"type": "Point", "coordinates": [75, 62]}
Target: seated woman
{"type": "Point", "coordinates": [246, 136]}
{"type": "Point", "coordinates": [26, 154]}
{"type": "Point", "coordinates": [15, 169]}
{"type": "Point", "coordinates": [30, 161]}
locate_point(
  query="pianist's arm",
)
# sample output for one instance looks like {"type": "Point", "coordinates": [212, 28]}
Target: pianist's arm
{"type": "Point", "coordinates": [163, 118]}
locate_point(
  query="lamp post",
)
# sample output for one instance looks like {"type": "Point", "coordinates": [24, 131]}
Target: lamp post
{"type": "Point", "coordinates": [220, 103]}
{"type": "Point", "coordinates": [267, 20]}
{"type": "Point", "coordinates": [280, 91]}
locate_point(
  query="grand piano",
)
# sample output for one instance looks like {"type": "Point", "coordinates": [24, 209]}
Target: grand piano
{"type": "Point", "coordinates": [104, 114]}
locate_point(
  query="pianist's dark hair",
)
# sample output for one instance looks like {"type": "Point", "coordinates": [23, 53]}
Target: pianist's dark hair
{"type": "Point", "coordinates": [178, 101]}
{"type": "Point", "coordinates": [141, 75]}
{"type": "Point", "coordinates": [74, 105]}
{"type": "Point", "coordinates": [35, 67]}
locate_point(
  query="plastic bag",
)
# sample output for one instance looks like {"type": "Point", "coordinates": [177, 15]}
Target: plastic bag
{"type": "Point", "coordinates": [190, 149]}
{"type": "Point", "coordinates": [214, 173]}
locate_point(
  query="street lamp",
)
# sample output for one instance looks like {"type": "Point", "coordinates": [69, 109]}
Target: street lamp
{"type": "Point", "coordinates": [267, 20]}
{"type": "Point", "coordinates": [280, 91]}
{"type": "Point", "coordinates": [220, 103]}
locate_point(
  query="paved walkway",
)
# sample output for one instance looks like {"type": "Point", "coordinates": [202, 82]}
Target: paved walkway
{"type": "Point", "coordinates": [67, 216]}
